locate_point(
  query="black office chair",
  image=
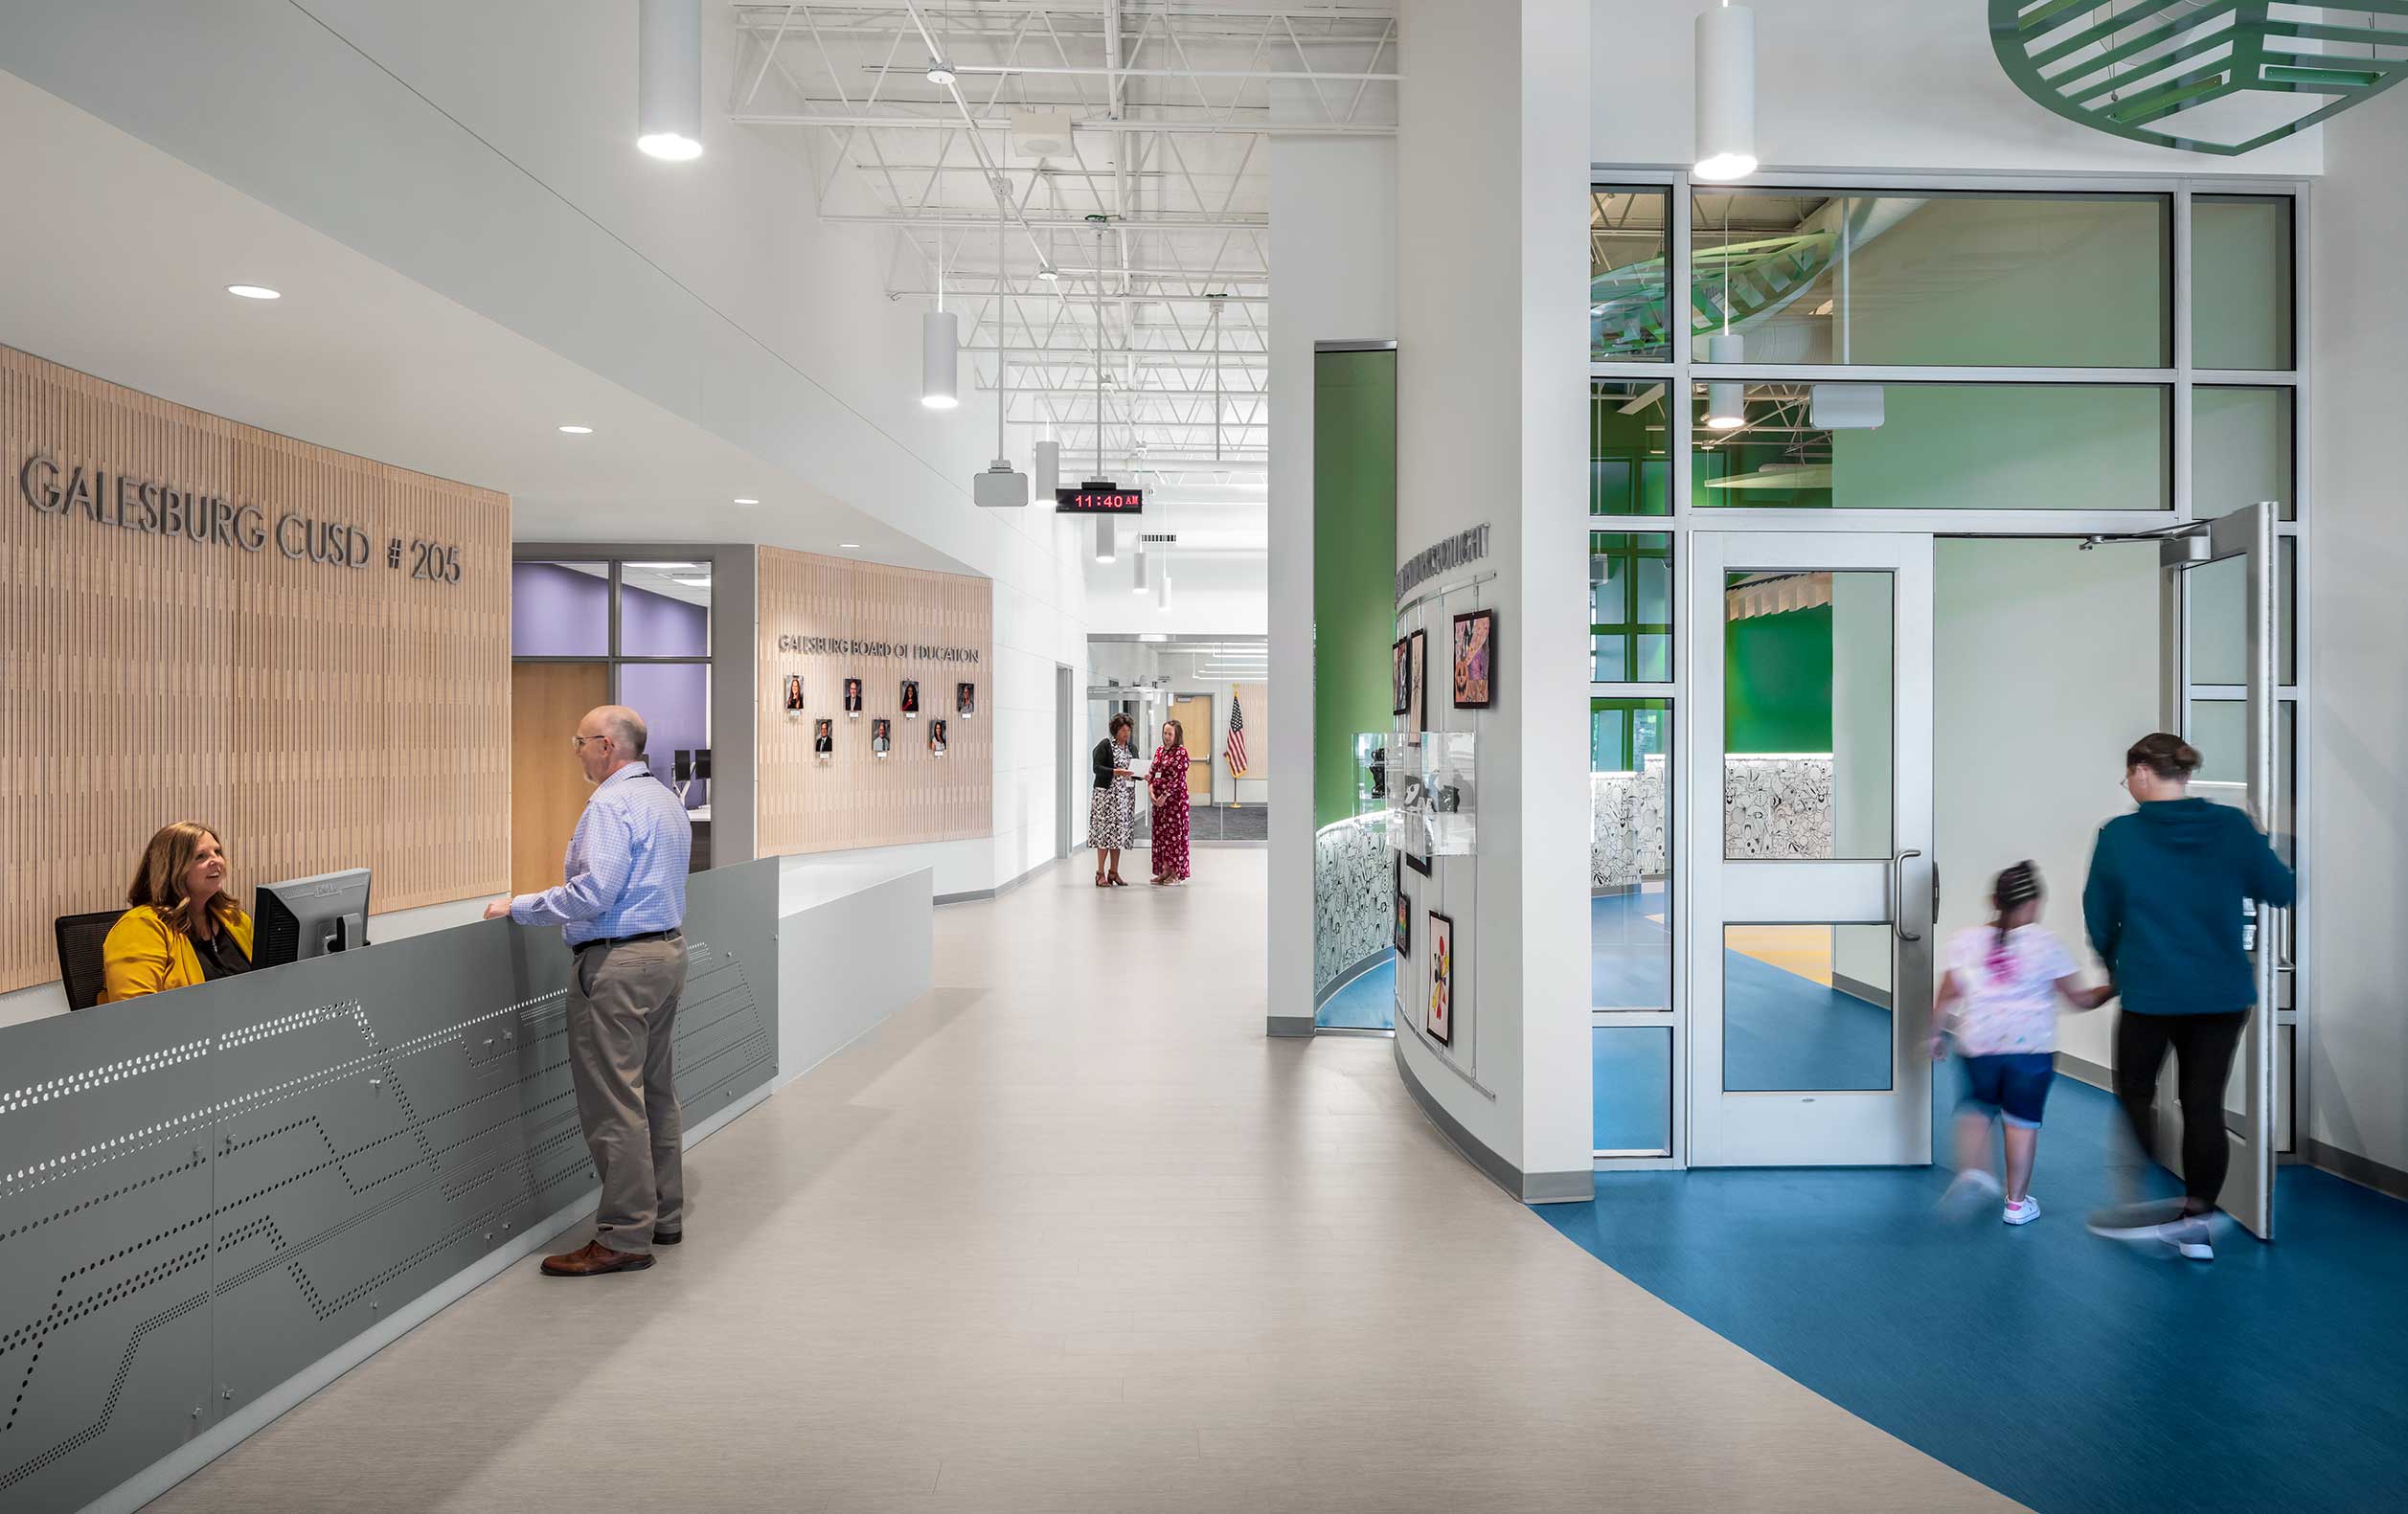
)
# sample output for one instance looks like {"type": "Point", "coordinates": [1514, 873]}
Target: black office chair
{"type": "Point", "coordinates": [80, 961]}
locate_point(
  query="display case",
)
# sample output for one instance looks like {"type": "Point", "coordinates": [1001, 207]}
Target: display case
{"type": "Point", "coordinates": [1370, 772]}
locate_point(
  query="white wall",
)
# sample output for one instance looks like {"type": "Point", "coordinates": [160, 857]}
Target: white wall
{"type": "Point", "coordinates": [1333, 239]}
{"type": "Point", "coordinates": [1211, 594]}
{"type": "Point", "coordinates": [1865, 84]}
{"type": "Point", "coordinates": [501, 175]}
{"type": "Point", "coordinates": [1491, 421]}
{"type": "Point", "coordinates": [2357, 720]}
{"type": "Point", "coordinates": [2045, 667]}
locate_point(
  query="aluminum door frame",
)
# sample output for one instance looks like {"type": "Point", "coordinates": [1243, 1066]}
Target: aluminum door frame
{"type": "Point", "coordinates": [2251, 534]}
{"type": "Point", "coordinates": [1814, 1127]}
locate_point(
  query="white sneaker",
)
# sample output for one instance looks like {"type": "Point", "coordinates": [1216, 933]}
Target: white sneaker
{"type": "Point", "coordinates": [1974, 1188]}
{"type": "Point", "coordinates": [2022, 1211]}
{"type": "Point", "coordinates": [2193, 1238]}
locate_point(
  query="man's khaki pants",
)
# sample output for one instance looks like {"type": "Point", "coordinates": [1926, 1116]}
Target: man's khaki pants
{"type": "Point", "coordinates": [622, 1017]}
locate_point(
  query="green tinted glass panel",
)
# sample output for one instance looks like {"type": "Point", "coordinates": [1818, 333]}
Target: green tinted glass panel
{"type": "Point", "coordinates": [2241, 280]}
{"type": "Point", "coordinates": [2051, 281]}
{"type": "Point", "coordinates": [1938, 446]}
{"type": "Point", "coordinates": [1629, 468]}
{"type": "Point", "coordinates": [1630, 608]}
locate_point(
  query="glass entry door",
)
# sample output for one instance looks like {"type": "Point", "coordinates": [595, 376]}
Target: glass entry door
{"type": "Point", "coordinates": [1811, 953]}
{"type": "Point", "coordinates": [2197, 692]}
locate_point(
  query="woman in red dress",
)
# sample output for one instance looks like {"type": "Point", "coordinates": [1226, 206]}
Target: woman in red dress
{"type": "Point", "coordinates": [1167, 783]}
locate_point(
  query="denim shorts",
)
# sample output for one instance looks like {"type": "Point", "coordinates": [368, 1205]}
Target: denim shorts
{"type": "Point", "coordinates": [2015, 1084]}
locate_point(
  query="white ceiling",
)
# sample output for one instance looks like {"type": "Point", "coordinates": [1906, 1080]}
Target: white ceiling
{"type": "Point", "coordinates": [357, 357]}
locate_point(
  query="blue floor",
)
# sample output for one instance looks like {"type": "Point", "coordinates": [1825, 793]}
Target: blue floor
{"type": "Point", "coordinates": [2066, 1371]}
{"type": "Point", "coordinates": [1365, 1002]}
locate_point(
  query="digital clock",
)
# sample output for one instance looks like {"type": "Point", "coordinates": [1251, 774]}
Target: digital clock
{"type": "Point", "coordinates": [1099, 499]}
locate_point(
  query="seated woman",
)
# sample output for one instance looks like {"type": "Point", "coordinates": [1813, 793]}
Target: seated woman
{"type": "Point", "coordinates": [184, 927]}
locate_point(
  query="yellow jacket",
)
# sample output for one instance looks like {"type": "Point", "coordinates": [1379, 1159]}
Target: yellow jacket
{"type": "Point", "coordinates": [145, 955]}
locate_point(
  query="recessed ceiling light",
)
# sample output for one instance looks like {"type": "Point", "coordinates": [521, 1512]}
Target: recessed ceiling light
{"type": "Point", "coordinates": [1152, 635]}
{"type": "Point", "coordinates": [848, 546]}
{"type": "Point", "coordinates": [742, 501]}
{"type": "Point", "coordinates": [666, 567]}
{"type": "Point", "coordinates": [693, 583]}
{"type": "Point", "coordinates": [255, 291]}
{"type": "Point", "coordinates": [579, 431]}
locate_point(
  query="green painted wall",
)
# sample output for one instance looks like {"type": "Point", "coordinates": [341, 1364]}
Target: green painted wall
{"type": "Point", "coordinates": [1354, 565]}
{"type": "Point", "coordinates": [1777, 683]}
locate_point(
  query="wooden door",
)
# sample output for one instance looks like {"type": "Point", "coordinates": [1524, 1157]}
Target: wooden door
{"type": "Point", "coordinates": [1194, 714]}
{"type": "Point", "coordinates": [547, 789]}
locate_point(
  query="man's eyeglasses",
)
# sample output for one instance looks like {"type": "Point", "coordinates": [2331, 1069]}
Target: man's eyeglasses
{"type": "Point", "coordinates": [579, 742]}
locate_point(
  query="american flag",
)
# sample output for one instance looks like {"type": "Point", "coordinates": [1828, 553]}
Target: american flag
{"type": "Point", "coordinates": [1236, 747]}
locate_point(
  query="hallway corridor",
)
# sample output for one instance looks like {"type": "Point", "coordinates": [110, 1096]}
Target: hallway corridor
{"type": "Point", "coordinates": [1070, 1233]}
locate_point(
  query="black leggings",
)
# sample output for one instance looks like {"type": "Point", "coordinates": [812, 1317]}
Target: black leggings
{"type": "Point", "coordinates": [2203, 1047]}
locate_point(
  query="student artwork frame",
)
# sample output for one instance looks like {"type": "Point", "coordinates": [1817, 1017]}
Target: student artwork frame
{"type": "Point", "coordinates": [793, 693]}
{"type": "Point", "coordinates": [1404, 934]}
{"type": "Point", "coordinates": [881, 736]}
{"type": "Point", "coordinates": [824, 739]}
{"type": "Point", "coordinates": [910, 699]}
{"type": "Point", "coordinates": [965, 701]}
{"type": "Point", "coordinates": [1475, 658]}
{"type": "Point", "coordinates": [1402, 678]}
{"type": "Point", "coordinates": [1417, 701]}
{"type": "Point", "coordinates": [852, 698]}
{"type": "Point", "coordinates": [1438, 1021]}
{"type": "Point", "coordinates": [936, 739]}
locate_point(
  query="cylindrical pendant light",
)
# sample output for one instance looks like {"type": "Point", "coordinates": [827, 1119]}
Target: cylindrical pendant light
{"type": "Point", "coordinates": [939, 359]}
{"type": "Point", "coordinates": [1049, 470]}
{"type": "Point", "coordinates": [1144, 581]}
{"type": "Point", "coordinates": [669, 78]}
{"type": "Point", "coordinates": [1162, 591]}
{"type": "Point", "coordinates": [1106, 544]}
{"type": "Point", "coordinates": [1726, 399]}
{"type": "Point", "coordinates": [1726, 93]}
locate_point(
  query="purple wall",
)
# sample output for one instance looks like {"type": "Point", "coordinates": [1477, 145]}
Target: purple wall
{"type": "Point", "coordinates": [655, 625]}
{"type": "Point", "coordinates": [675, 700]}
{"type": "Point", "coordinates": [557, 612]}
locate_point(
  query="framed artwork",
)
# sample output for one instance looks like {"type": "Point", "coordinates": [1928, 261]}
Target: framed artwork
{"type": "Point", "coordinates": [794, 691]}
{"type": "Point", "coordinates": [824, 739]}
{"type": "Point", "coordinates": [1439, 1021]}
{"type": "Point", "coordinates": [852, 697]}
{"type": "Point", "coordinates": [911, 699]}
{"type": "Point", "coordinates": [881, 736]}
{"type": "Point", "coordinates": [1402, 652]}
{"type": "Point", "coordinates": [964, 700]}
{"type": "Point", "coordinates": [1418, 702]}
{"type": "Point", "coordinates": [1414, 841]}
{"type": "Point", "coordinates": [1405, 912]}
{"type": "Point", "coordinates": [936, 739]}
{"type": "Point", "coordinates": [1475, 659]}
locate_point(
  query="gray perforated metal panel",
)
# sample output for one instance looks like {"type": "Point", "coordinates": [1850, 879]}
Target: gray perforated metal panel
{"type": "Point", "coordinates": [204, 1192]}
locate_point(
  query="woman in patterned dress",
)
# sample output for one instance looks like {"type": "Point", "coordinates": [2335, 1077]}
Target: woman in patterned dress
{"type": "Point", "coordinates": [1112, 809]}
{"type": "Point", "coordinates": [1167, 783]}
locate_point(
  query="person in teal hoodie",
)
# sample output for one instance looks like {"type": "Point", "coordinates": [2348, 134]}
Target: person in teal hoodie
{"type": "Point", "coordinates": [2163, 907]}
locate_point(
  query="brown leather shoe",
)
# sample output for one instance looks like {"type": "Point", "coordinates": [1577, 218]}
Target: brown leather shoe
{"type": "Point", "coordinates": [593, 1259]}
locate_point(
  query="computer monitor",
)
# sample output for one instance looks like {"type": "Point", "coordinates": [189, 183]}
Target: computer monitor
{"type": "Point", "coordinates": [309, 918]}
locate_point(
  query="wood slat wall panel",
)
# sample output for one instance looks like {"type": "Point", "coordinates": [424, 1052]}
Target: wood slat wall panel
{"type": "Point", "coordinates": [804, 806]}
{"type": "Point", "coordinates": [319, 716]}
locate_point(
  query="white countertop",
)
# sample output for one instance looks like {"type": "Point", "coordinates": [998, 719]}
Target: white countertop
{"type": "Point", "coordinates": [808, 885]}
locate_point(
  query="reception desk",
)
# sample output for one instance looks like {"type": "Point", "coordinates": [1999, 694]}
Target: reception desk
{"type": "Point", "coordinates": [213, 1201]}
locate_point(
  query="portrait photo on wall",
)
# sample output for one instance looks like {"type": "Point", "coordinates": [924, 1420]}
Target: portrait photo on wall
{"type": "Point", "coordinates": [1475, 659]}
{"type": "Point", "coordinates": [1402, 652]}
{"type": "Point", "coordinates": [1417, 694]}
{"type": "Point", "coordinates": [936, 739]}
{"type": "Point", "coordinates": [966, 700]}
{"type": "Point", "coordinates": [911, 699]}
{"type": "Point", "coordinates": [794, 690]}
{"type": "Point", "coordinates": [824, 739]}
{"type": "Point", "coordinates": [1405, 912]}
{"type": "Point", "coordinates": [1440, 1022]}
{"type": "Point", "coordinates": [852, 697]}
{"type": "Point", "coordinates": [881, 735]}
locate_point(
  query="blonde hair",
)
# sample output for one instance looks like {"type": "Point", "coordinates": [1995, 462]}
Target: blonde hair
{"type": "Point", "coordinates": [159, 879]}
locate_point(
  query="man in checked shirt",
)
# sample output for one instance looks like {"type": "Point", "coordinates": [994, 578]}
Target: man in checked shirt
{"type": "Point", "coordinates": [622, 911]}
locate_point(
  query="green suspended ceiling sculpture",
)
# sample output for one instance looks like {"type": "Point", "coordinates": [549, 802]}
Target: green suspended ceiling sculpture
{"type": "Point", "coordinates": [2207, 75]}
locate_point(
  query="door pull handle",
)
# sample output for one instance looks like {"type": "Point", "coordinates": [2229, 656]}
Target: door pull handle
{"type": "Point", "coordinates": [1897, 898]}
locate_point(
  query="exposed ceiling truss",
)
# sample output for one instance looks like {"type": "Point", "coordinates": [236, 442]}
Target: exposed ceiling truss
{"type": "Point", "coordinates": [1136, 249]}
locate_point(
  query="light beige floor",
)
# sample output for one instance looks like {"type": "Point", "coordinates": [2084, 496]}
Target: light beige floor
{"type": "Point", "coordinates": [1070, 1233]}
